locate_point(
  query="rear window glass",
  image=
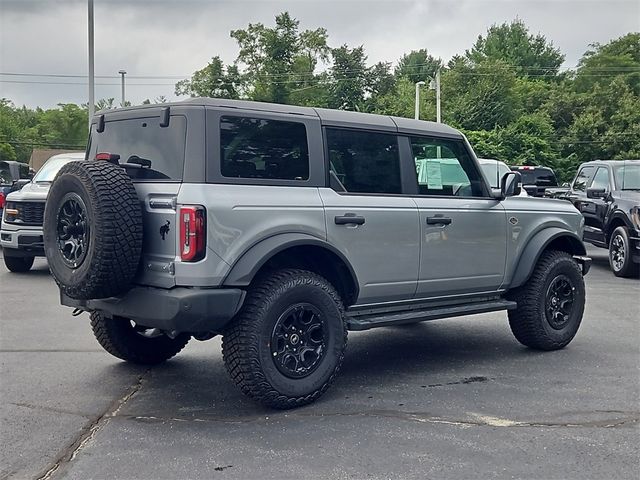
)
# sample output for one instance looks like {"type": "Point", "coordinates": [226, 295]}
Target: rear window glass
{"type": "Point", "coordinates": [147, 151]}
{"type": "Point", "coordinates": [541, 178]}
{"type": "Point", "coordinates": [260, 148]}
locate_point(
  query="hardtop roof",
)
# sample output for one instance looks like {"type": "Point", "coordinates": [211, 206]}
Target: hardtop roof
{"type": "Point", "coordinates": [332, 117]}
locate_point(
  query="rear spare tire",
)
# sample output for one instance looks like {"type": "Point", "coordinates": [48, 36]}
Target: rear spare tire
{"type": "Point", "coordinates": [93, 230]}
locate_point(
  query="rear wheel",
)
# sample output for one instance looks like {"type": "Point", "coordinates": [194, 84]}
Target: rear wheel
{"type": "Point", "coordinates": [18, 264]}
{"type": "Point", "coordinates": [134, 343]}
{"type": "Point", "coordinates": [550, 304]}
{"type": "Point", "coordinates": [620, 254]}
{"type": "Point", "coordinates": [286, 345]}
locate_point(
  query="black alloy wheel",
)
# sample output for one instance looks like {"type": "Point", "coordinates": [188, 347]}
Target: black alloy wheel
{"type": "Point", "coordinates": [73, 230]}
{"type": "Point", "coordinates": [617, 252]}
{"type": "Point", "coordinates": [559, 301]}
{"type": "Point", "coordinates": [298, 341]}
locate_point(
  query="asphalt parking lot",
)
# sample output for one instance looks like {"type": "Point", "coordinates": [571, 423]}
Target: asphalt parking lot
{"type": "Point", "coordinates": [454, 398]}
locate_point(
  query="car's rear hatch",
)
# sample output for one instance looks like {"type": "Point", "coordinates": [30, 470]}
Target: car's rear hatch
{"type": "Point", "coordinates": [152, 150]}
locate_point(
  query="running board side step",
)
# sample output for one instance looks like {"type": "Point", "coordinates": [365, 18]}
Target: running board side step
{"type": "Point", "coordinates": [365, 322]}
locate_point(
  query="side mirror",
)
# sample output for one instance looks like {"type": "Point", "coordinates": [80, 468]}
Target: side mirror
{"type": "Point", "coordinates": [18, 184]}
{"type": "Point", "coordinates": [596, 193]}
{"type": "Point", "coordinates": [510, 184]}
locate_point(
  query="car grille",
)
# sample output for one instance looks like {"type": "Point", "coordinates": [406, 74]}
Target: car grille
{"type": "Point", "coordinates": [29, 213]}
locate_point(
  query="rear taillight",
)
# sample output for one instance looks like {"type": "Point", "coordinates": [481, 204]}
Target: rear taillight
{"type": "Point", "coordinates": [1, 199]}
{"type": "Point", "coordinates": [193, 233]}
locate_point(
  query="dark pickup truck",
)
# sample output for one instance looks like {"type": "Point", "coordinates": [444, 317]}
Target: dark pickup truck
{"type": "Point", "coordinates": [536, 179]}
{"type": "Point", "coordinates": [607, 193]}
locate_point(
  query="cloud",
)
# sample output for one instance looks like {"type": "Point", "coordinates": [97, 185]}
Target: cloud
{"type": "Point", "coordinates": [174, 38]}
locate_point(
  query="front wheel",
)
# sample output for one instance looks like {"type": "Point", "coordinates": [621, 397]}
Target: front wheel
{"type": "Point", "coordinates": [287, 343]}
{"type": "Point", "coordinates": [124, 339]}
{"type": "Point", "coordinates": [18, 264]}
{"type": "Point", "coordinates": [550, 304]}
{"type": "Point", "coordinates": [620, 254]}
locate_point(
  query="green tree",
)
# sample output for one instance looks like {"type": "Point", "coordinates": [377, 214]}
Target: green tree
{"type": "Point", "coordinates": [349, 76]}
{"type": "Point", "coordinates": [479, 97]}
{"type": "Point", "coordinates": [280, 59]}
{"type": "Point", "coordinates": [417, 66]}
{"type": "Point", "coordinates": [214, 80]}
{"type": "Point", "coordinates": [511, 43]}
{"type": "Point", "coordinates": [618, 58]}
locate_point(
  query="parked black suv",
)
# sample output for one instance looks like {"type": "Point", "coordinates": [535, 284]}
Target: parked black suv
{"type": "Point", "coordinates": [536, 179]}
{"type": "Point", "coordinates": [607, 192]}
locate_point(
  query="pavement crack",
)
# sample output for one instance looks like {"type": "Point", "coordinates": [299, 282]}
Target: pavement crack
{"type": "Point", "coordinates": [473, 419]}
{"type": "Point", "coordinates": [89, 431]}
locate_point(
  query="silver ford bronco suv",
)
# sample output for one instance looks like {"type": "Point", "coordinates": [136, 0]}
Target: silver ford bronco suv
{"type": "Point", "coordinates": [281, 228]}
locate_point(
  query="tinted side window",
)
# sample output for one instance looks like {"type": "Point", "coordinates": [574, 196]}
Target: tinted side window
{"type": "Point", "coordinates": [444, 167]}
{"type": "Point", "coordinates": [365, 162]}
{"type": "Point", "coordinates": [580, 183]}
{"type": "Point", "coordinates": [259, 148]}
{"type": "Point", "coordinates": [601, 179]}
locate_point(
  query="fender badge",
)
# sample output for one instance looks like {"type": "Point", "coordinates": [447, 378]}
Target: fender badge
{"type": "Point", "coordinates": [513, 220]}
{"type": "Point", "coordinates": [164, 229]}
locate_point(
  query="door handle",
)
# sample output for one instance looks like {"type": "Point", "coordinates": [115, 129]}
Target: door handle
{"type": "Point", "coordinates": [438, 220]}
{"type": "Point", "coordinates": [349, 219]}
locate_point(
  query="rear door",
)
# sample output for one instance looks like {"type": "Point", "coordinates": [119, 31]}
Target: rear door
{"type": "Point", "coordinates": [462, 229]}
{"type": "Point", "coordinates": [153, 155]}
{"type": "Point", "coordinates": [367, 217]}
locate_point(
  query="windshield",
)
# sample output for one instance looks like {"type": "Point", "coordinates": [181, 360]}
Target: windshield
{"type": "Point", "coordinates": [494, 172]}
{"type": "Point", "coordinates": [50, 169]}
{"type": "Point", "coordinates": [628, 176]}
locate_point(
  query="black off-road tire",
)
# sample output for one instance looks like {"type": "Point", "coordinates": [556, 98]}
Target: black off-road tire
{"type": "Point", "coordinates": [18, 264]}
{"type": "Point", "coordinates": [530, 322]}
{"type": "Point", "coordinates": [620, 254]}
{"type": "Point", "coordinates": [114, 220]}
{"type": "Point", "coordinates": [246, 345]}
{"type": "Point", "coordinates": [119, 337]}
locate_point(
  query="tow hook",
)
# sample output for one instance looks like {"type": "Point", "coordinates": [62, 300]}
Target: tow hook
{"type": "Point", "coordinates": [585, 263]}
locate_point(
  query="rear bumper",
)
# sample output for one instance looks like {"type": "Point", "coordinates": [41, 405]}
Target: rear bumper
{"type": "Point", "coordinates": [178, 309]}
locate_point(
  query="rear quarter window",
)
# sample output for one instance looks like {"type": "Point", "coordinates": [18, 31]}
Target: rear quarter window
{"type": "Point", "coordinates": [147, 151]}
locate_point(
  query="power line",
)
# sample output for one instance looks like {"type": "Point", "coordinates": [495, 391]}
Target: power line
{"type": "Point", "coordinates": [619, 69]}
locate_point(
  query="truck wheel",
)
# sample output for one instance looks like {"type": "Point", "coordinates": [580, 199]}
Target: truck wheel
{"type": "Point", "coordinates": [286, 345]}
{"type": "Point", "coordinates": [550, 304]}
{"type": "Point", "coordinates": [135, 343]}
{"type": "Point", "coordinates": [93, 230]}
{"type": "Point", "coordinates": [620, 254]}
{"type": "Point", "coordinates": [18, 264]}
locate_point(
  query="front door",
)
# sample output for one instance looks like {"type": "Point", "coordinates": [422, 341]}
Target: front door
{"type": "Point", "coordinates": [594, 209]}
{"type": "Point", "coordinates": [462, 229]}
{"type": "Point", "coordinates": [367, 217]}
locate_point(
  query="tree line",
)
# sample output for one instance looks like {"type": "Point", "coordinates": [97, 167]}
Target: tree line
{"type": "Point", "coordinates": [507, 92]}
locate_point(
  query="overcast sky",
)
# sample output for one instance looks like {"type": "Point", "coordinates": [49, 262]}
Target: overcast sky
{"type": "Point", "coordinates": [173, 38]}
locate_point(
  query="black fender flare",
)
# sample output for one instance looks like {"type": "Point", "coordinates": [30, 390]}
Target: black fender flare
{"type": "Point", "coordinates": [538, 243]}
{"type": "Point", "coordinates": [253, 259]}
{"type": "Point", "coordinates": [616, 215]}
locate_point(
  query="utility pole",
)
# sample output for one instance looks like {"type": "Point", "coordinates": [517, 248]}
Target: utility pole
{"type": "Point", "coordinates": [417, 113]}
{"type": "Point", "coordinates": [122, 74]}
{"type": "Point", "coordinates": [438, 118]}
{"type": "Point", "coordinates": [434, 84]}
{"type": "Point", "coordinates": [91, 69]}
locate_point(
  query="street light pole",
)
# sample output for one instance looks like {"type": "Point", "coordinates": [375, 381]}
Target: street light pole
{"type": "Point", "coordinates": [417, 112]}
{"type": "Point", "coordinates": [91, 69]}
{"type": "Point", "coordinates": [122, 74]}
